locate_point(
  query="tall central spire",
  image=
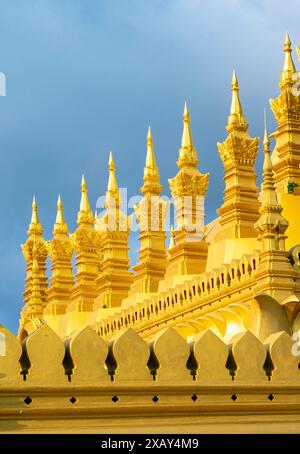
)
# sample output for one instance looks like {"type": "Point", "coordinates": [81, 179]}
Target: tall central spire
{"type": "Point", "coordinates": [236, 120]}
{"type": "Point", "coordinates": [112, 193]}
{"type": "Point", "coordinates": [187, 153]}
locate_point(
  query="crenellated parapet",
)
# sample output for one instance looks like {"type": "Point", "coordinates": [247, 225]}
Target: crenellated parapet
{"type": "Point", "coordinates": [172, 381]}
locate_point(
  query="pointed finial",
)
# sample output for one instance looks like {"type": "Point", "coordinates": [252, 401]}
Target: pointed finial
{"type": "Point", "coordinates": [236, 107]}
{"type": "Point", "coordinates": [151, 184]}
{"type": "Point", "coordinates": [35, 226]}
{"type": "Point", "coordinates": [289, 69]}
{"type": "Point", "coordinates": [60, 225]}
{"type": "Point", "coordinates": [187, 153]}
{"type": "Point", "coordinates": [85, 215]}
{"type": "Point", "coordinates": [112, 193]}
{"type": "Point", "coordinates": [150, 157]}
{"type": "Point", "coordinates": [111, 162]}
{"type": "Point", "coordinates": [186, 114]}
{"type": "Point", "coordinates": [236, 119]}
{"type": "Point", "coordinates": [234, 82]}
{"type": "Point", "coordinates": [34, 217]}
{"type": "Point", "coordinates": [287, 41]}
{"type": "Point", "coordinates": [187, 140]}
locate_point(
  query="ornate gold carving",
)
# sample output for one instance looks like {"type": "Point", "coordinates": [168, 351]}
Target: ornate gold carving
{"type": "Point", "coordinates": [189, 182]}
{"type": "Point", "coordinates": [238, 148]}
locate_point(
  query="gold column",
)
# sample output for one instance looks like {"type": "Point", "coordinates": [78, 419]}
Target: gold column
{"type": "Point", "coordinates": [115, 278]}
{"type": "Point", "coordinates": [274, 275]}
{"type": "Point", "coordinates": [286, 154]}
{"type": "Point", "coordinates": [238, 152]}
{"type": "Point", "coordinates": [286, 109]}
{"type": "Point", "coordinates": [32, 314]}
{"type": "Point", "coordinates": [86, 244]}
{"type": "Point", "coordinates": [35, 236]}
{"type": "Point", "coordinates": [188, 189]}
{"type": "Point", "coordinates": [151, 214]}
{"type": "Point", "coordinates": [60, 250]}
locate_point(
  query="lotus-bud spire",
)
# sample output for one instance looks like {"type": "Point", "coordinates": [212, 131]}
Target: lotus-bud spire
{"type": "Point", "coordinates": [112, 193]}
{"type": "Point", "coordinates": [288, 74]}
{"type": "Point", "coordinates": [85, 215]}
{"type": "Point", "coordinates": [187, 152]}
{"type": "Point", "coordinates": [151, 185]}
{"type": "Point", "coordinates": [60, 225]}
{"type": "Point", "coordinates": [35, 226]}
{"type": "Point", "coordinates": [236, 120]}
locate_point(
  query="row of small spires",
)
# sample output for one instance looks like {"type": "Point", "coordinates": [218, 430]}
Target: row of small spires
{"type": "Point", "coordinates": [152, 185]}
{"type": "Point", "coordinates": [60, 226]}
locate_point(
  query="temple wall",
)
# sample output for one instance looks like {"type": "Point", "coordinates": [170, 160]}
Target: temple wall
{"type": "Point", "coordinates": [165, 386]}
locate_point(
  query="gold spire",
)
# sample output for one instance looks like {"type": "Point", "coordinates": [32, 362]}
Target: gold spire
{"type": "Point", "coordinates": [186, 141]}
{"type": "Point", "coordinates": [271, 225]}
{"type": "Point", "coordinates": [60, 225]}
{"type": "Point", "coordinates": [85, 215]}
{"type": "Point", "coordinates": [288, 64]}
{"type": "Point", "coordinates": [269, 196]}
{"type": "Point", "coordinates": [35, 226]}
{"type": "Point", "coordinates": [288, 70]}
{"type": "Point", "coordinates": [187, 152]}
{"type": "Point", "coordinates": [150, 157]}
{"type": "Point", "coordinates": [236, 120]}
{"type": "Point", "coordinates": [151, 185]}
{"type": "Point", "coordinates": [112, 193]}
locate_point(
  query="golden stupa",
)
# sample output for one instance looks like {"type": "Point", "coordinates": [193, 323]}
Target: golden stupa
{"type": "Point", "coordinates": [200, 335]}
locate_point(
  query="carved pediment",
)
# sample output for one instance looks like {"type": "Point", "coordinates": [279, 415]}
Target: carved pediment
{"type": "Point", "coordinates": [60, 249]}
{"type": "Point", "coordinates": [84, 240]}
{"type": "Point", "coordinates": [286, 105]}
{"type": "Point", "coordinates": [41, 249]}
{"type": "Point", "coordinates": [238, 148]}
{"type": "Point", "coordinates": [189, 182]}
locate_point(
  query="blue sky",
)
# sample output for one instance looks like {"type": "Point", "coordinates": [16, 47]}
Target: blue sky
{"type": "Point", "coordinates": [88, 76]}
